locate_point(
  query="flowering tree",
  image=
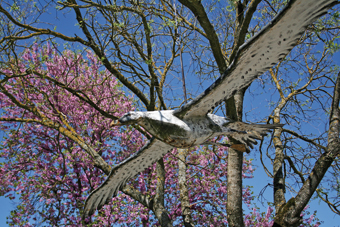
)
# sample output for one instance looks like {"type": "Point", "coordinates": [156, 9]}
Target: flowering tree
{"type": "Point", "coordinates": [52, 172]}
{"type": "Point", "coordinates": [45, 163]}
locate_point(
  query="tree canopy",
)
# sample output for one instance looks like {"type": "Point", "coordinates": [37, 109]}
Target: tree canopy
{"type": "Point", "coordinates": [60, 90]}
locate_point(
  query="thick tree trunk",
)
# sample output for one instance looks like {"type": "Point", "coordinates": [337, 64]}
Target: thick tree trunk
{"type": "Point", "coordinates": [234, 107]}
{"type": "Point", "coordinates": [182, 182]}
{"type": "Point", "coordinates": [234, 188]}
{"type": "Point", "coordinates": [159, 209]}
{"type": "Point", "coordinates": [279, 182]}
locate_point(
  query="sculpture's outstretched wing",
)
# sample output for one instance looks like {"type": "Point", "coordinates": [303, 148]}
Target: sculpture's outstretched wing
{"type": "Point", "coordinates": [259, 54]}
{"type": "Point", "coordinates": [121, 173]}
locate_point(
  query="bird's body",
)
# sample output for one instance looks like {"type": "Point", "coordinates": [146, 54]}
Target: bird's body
{"type": "Point", "coordinates": [189, 132]}
{"type": "Point", "coordinates": [175, 131]}
{"type": "Point", "coordinates": [172, 130]}
{"type": "Point", "coordinates": [192, 124]}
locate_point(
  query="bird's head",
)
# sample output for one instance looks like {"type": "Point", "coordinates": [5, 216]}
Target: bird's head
{"type": "Point", "coordinates": [128, 119]}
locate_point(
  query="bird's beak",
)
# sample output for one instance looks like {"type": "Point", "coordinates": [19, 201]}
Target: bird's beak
{"type": "Point", "coordinates": [115, 123]}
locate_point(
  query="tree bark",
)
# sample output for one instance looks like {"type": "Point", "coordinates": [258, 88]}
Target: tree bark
{"type": "Point", "coordinates": [234, 188]}
{"type": "Point", "coordinates": [184, 194]}
{"type": "Point", "coordinates": [159, 210]}
{"type": "Point", "coordinates": [234, 107]}
{"type": "Point", "coordinates": [279, 182]}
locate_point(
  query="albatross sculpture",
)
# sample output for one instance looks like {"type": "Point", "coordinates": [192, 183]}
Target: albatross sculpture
{"type": "Point", "coordinates": [192, 125]}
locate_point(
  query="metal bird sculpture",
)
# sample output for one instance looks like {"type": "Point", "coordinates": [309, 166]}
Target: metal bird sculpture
{"type": "Point", "coordinates": [192, 125]}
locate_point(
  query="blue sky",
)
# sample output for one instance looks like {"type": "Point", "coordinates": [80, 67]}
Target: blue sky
{"type": "Point", "coordinates": [259, 181]}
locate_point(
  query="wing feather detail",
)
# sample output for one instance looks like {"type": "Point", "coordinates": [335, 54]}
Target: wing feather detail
{"type": "Point", "coordinates": [121, 173]}
{"type": "Point", "coordinates": [259, 54]}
